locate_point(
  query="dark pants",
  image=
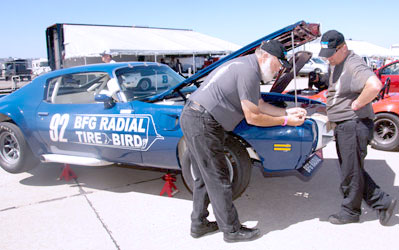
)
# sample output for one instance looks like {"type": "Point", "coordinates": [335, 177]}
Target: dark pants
{"type": "Point", "coordinates": [352, 138]}
{"type": "Point", "coordinates": [205, 140]}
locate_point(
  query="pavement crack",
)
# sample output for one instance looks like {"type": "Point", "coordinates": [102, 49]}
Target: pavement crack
{"type": "Point", "coordinates": [82, 192]}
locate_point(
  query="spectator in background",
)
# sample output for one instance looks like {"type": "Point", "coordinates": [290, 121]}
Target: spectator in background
{"type": "Point", "coordinates": [318, 80]}
{"type": "Point", "coordinates": [106, 57]}
{"type": "Point", "coordinates": [172, 63]}
{"type": "Point", "coordinates": [163, 61]}
{"type": "Point", "coordinates": [179, 67]}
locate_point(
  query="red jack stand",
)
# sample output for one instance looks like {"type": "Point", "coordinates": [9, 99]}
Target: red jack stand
{"type": "Point", "coordinates": [67, 173]}
{"type": "Point", "coordinates": [169, 179]}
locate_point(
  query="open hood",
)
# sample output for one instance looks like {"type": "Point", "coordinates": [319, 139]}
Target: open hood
{"type": "Point", "coordinates": [302, 33]}
{"type": "Point", "coordinates": [285, 76]}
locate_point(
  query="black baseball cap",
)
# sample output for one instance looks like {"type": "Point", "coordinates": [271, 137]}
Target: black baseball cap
{"type": "Point", "coordinates": [329, 43]}
{"type": "Point", "coordinates": [275, 48]}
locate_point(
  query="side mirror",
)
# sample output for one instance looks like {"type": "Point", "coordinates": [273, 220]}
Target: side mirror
{"type": "Point", "coordinates": [107, 100]}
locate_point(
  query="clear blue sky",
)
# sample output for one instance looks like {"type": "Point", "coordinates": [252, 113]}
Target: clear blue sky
{"type": "Point", "coordinates": [23, 23]}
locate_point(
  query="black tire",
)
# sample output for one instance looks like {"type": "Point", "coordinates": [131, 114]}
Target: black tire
{"type": "Point", "coordinates": [239, 165]}
{"type": "Point", "coordinates": [144, 84]}
{"type": "Point", "coordinates": [15, 154]}
{"type": "Point", "coordinates": [386, 132]}
{"type": "Point", "coordinates": [317, 70]}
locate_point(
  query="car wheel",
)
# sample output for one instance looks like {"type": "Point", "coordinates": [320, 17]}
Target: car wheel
{"type": "Point", "coordinates": [15, 154]}
{"type": "Point", "coordinates": [386, 128]}
{"type": "Point", "coordinates": [145, 84]}
{"type": "Point", "coordinates": [238, 163]}
{"type": "Point", "coordinates": [317, 70]}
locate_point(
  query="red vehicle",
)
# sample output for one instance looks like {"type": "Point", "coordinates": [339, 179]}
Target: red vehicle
{"type": "Point", "coordinates": [385, 106]}
{"type": "Point", "coordinates": [390, 70]}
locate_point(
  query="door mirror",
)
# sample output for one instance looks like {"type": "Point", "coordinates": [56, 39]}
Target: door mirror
{"type": "Point", "coordinates": [107, 100]}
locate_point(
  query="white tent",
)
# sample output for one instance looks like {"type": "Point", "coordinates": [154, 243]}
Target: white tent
{"type": "Point", "coordinates": [92, 40]}
{"type": "Point", "coordinates": [362, 48]}
{"type": "Point", "coordinates": [395, 49]}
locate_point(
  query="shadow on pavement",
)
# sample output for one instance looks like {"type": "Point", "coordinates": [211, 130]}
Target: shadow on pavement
{"type": "Point", "coordinates": [274, 202]}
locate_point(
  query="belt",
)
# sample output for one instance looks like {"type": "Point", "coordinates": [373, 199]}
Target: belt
{"type": "Point", "coordinates": [356, 120]}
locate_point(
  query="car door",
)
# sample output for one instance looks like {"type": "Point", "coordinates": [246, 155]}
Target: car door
{"type": "Point", "coordinates": [392, 71]}
{"type": "Point", "coordinates": [162, 132]}
{"type": "Point", "coordinates": [71, 122]}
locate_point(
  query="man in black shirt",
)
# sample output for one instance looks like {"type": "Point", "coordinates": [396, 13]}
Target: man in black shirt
{"type": "Point", "coordinates": [352, 87]}
{"type": "Point", "coordinates": [228, 95]}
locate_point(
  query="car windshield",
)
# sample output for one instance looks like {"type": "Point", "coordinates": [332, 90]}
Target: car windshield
{"type": "Point", "coordinates": [318, 60]}
{"type": "Point", "coordinates": [142, 81]}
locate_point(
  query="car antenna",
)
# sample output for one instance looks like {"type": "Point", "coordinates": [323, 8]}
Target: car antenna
{"type": "Point", "coordinates": [293, 65]}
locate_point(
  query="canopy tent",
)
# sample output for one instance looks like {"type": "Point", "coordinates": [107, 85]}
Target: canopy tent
{"type": "Point", "coordinates": [395, 49]}
{"type": "Point", "coordinates": [362, 48]}
{"type": "Point", "coordinates": [92, 40]}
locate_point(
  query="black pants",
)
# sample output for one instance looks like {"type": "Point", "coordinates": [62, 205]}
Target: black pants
{"type": "Point", "coordinates": [352, 138]}
{"type": "Point", "coordinates": [205, 140]}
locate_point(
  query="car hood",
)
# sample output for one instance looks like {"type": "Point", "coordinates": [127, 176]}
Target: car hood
{"type": "Point", "coordinates": [301, 31]}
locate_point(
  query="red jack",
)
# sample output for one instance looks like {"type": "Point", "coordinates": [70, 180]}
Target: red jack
{"type": "Point", "coordinates": [169, 179]}
{"type": "Point", "coordinates": [67, 173]}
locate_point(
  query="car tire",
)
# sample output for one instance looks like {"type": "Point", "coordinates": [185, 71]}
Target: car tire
{"type": "Point", "coordinates": [239, 165]}
{"type": "Point", "coordinates": [15, 154]}
{"type": "Point", "coordinates": [386, 132]}
{"type": "Point", "coordinates": [317, 70]}
{"type": "Point", "coordinates": [144, 84]}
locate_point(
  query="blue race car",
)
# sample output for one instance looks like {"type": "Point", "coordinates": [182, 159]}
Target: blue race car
{"type": "Point", "coordinates": [128, 113]}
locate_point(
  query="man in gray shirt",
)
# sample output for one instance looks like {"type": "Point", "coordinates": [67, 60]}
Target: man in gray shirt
{"type": "Point", "coordinates": [227, 96]}
{"type": "Point", "coordinates": [352, 87]}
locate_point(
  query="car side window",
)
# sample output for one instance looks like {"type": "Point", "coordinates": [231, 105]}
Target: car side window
{"type": "Point", "coordinates": [140, 82]}
{"type": "Point", "coordinates": [392, 69]}
{"type": "Point", "coordinates": [77, 88]}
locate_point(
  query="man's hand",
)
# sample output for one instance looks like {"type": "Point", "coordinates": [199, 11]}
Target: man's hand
{"type": "Point", "coordinates": [298, 112]}
{"type": "Point", "coordinates": [295, 120]}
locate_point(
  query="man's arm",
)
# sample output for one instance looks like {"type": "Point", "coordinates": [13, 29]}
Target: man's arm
{"type": "Point", "coordinates": [266, 115]}
{"type": "Point", "coordinates": [369, 92]}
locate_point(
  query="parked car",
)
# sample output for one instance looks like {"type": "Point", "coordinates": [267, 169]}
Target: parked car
{"type": "Point", "coordinates": [385, 106]}
{"type": "Point", "coordinates": [314, 64]}
{"type": "Point", "coordinates": [390, 70]}
{"type": "Point", "coordinates": [146, 79]}
{"type": "Point", "coordinates": [19, 68]}
{"type": "Point", "coordinates": [86, 116]}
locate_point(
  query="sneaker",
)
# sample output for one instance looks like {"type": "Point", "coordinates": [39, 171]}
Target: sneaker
{"type": "Point", "coordinates": [242, 234]}
{"type": "Point", "coordinates": [200, 231]}
{"type": "Point", "coordinates": [386, 214]}
{"type": "Point", "coordinates": [339, 219]}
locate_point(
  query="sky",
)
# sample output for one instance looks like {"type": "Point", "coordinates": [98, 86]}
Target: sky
{"type": "Point", "coordinates": [24, 22]}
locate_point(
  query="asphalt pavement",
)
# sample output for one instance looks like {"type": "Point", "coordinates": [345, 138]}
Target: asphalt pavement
{"type": "Point", "coordinates": [120, 208]}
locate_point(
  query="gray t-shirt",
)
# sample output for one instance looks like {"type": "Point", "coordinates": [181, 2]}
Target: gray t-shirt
{"type": "Point", "coordinates": [222, 91]}
{"type": "Point", "coordinates": [346, 82]}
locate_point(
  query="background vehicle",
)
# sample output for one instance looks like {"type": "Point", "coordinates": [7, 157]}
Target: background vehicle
{"type": "Point", "coordinates": [315, 64]}
{"type": "Point", "coordinates": [86, 116]}
{"type": "Point", "coordinates": [144, 80]}
{"type": "Point", "coordinates": [390, 70]}
{"type": "Point", "coordinates": [40, 66]}
{"type": "Point", "coordinates": [19, 68]}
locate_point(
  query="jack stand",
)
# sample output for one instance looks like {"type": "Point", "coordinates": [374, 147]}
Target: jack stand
{"type": "Point", "coordinates": [169, 179]}
{"type": "Point", "coordinates": [67, 173]}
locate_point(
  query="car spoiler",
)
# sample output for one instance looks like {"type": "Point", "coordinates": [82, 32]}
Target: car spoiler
{"type": "Point", "coordinates": [303, 33]}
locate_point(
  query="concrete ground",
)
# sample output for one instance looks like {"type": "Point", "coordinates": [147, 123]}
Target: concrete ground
{"type": "Point", "coordinates": [120, 208]}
